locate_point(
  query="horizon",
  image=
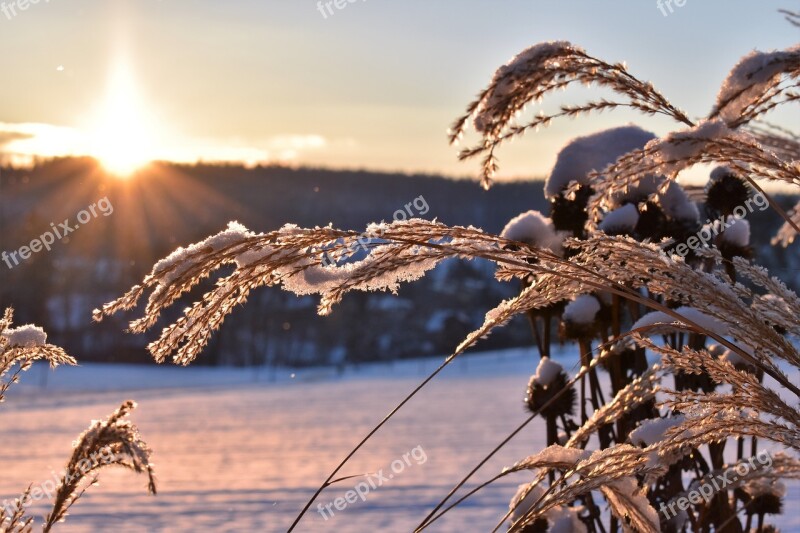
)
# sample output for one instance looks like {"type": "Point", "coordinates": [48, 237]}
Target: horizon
{"type": "Point", "coordinates": [129, 91]}
{"type": "Point", "coordinates": [152, 168]}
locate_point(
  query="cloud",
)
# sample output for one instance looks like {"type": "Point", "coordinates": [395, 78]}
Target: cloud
{"type": "Point", "coordinates": [23, 143]}
{"type": "Point", "coordinates": [277, 149]}
{"type": "Point", "coordinates": [7, 137]}
{"type": "Point", "coordinates": [297, 142]}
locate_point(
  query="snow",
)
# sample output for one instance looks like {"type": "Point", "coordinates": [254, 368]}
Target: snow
{"type": "Point", "coordinates": [565, 520]}
{"type": "Point", "coordinates": [652, 431]}
{"type": "Point", "coordinates": [179, 261]}
{"type": "Point", "coordinates": [237, 233]}
{"type": "Point", "coordinates": [669, 156]}
{"type": "Point", "coordinates": [623, 218]}
{"type": "Point", "coordinates": [26, 336]}
{"type": "Point", "coordinates": [688, 143]}
{"type": "Point", "coordinates": [690, 313]}
{"type": "Point", "coordinates": [646, 187]}
{"type": "Point", "coordinates": [750, 78]}
{"type": "Point", "coordinates": [253, 256]}
{"type": "Point", "coordinates": [243, 449]}
{"type": "Point", "coordinates": [547, 371]}
{"type": "Point", "coordinates": [324, 280]}
{"type": "Point", "coordinates": [234, 234]}
{"type": "Point", "coordinates": [533, 228]}
{"type": "Point", "coordinates": [303, 274]}
{"type": "Point", "coordinates": [557, 455]}
{"type": "Point", "coordinates": [627, 489]}
{"type": "Point", "coordinates": [510, 76]}
{"type": "Point", "coordinates": [561, 519]}
{"type": "Point", "coordinates": [720, 172]}
{"type": "Point", "coordinates": [535, 54]}
{"type": "Point", "coordinates": [762, 487]}
{"type": "Point", "coordinates": [595, 152]}
{"type": "Point", "coordinates": [677, 205]}
{"type": "Point", "coordinates": [738, 233]}
{"type": "Point", "coordinates": [582, 310]}
{"type": "Point", "coordinates": [519, 505]}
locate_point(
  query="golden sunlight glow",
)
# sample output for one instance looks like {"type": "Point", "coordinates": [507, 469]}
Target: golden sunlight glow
{"type": "Point", "coordinates": [122, 138]}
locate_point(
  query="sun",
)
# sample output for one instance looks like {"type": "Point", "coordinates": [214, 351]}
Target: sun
{"type": "Point", "coordinates": [122, 137]}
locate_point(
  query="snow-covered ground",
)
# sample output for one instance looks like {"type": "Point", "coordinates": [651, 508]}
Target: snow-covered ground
{"type": "Point", "coordinates": [242, 450]}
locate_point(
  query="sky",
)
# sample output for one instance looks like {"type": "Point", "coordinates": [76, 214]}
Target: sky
{"type": "Point", "coordinates": [373, 85]}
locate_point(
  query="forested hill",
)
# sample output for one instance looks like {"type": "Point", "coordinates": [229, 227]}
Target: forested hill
{"type": "Point", "coordinates": [167, 206]}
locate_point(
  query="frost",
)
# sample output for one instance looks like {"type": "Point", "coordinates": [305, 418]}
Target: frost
{"type": "Point", "coordinates": [254, 256]}
{"type": "Point", "coordinates": [511, 76]}
{"type": "Point", "coordinates": [582, 310]}
{"type": "Point", "coordinates": [257, 254]}
{"type": "Point", "coordinates": [305, 277]}
{"type": "Point", "coordinates": [751, 78]}
{"type": "Point", "coordinates": [179, 261]}
{"type": "Point", "coordinates": [534, 54]}
{"type": "Point", "coordinates": [584, 155]}
{"type": "Point", "coordinates": [786, 234]}
{"type": "Point", "coordinates": [27, 336]}
{"type": "Point", "coordinates": [687, 144]}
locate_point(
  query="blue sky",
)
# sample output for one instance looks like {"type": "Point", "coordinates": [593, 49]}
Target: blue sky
{"type": "Point", "coordinates": [374, 85]}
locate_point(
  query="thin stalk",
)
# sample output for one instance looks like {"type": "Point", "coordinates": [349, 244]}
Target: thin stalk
{"type": "Point", "coordinates": [363, 441]}
{"type": "Point", "coordinates": [432, 516]}
{"type": "Point", "coordinates": [602, 284]}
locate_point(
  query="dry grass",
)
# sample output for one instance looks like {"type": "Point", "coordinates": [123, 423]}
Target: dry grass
{"type": "Point", "coordinates": [111, 442]}
{"type": "Point", "coordinates": [713, 296]}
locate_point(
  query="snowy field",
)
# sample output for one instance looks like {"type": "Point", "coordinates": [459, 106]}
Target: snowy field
{"type": "Point", "coordinates": [242, 450]}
